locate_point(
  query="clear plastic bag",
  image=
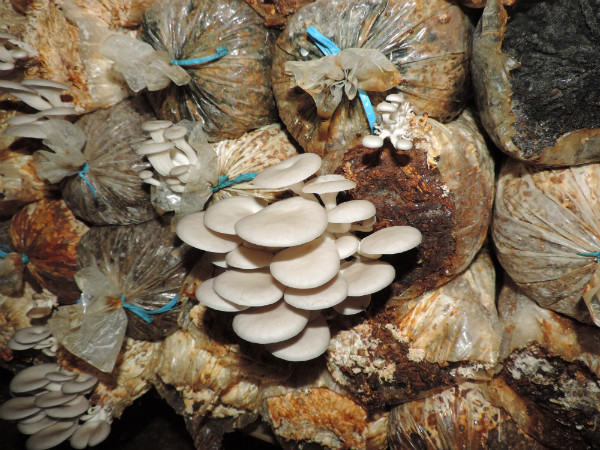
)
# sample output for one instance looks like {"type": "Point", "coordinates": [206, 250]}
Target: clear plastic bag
{"type": "Point", "coordinates": [231, 94]}
{"type": "Point", "coordinates": [428, 42]}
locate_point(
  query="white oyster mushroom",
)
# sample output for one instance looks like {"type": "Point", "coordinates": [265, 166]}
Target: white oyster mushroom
{"type": "Point", "coordinates": [158, 154]}
{"type": "Point", "coordinates": [269, 324]}
{"type": "Point", "coordinates": [28, 130]}
{"type": "Point", "coordinates": [156, 128]}
{"type": "Point", "coordinates": [389, 241]}
{"type": "Point", "coordinates": [206, 295]}
{"type": "Point", "coordinates": [289, 222]}
{"type": "Point", "coordinates": [80, 385]}
{"type": "Point", "coordinates": [224, 214]}
{"type": "Point", "coordinates": [90, 434]}
{"type": "Point", "coordinates": [353, 305]}
{"type": "Point", "coordinates": [30, 428]}
{"type": "Point", "coordinates": [289, 173]}
{"type": "Point", "coordinates": [50, 399]}
{"type": "Point", "coordinates": [248, 288]}
{"type": "Point", "coordinates": [52, 436]}
{"type": "Point", "coordinates": [367, 277]}
{"type": "Point", "coordinates": [69, 410]}
{"type": "Point", "coordinates": [249, 258]}
{"type": "Point", "coordinates": [31, 335]}
{"type": "Point", "coordinates": [25, 94]}
{"type": "Point", "coordinates": [347, 245]}
{"type": "Point", "coordinates": [306, 266]}
{"type": "Point", "coordinates": [395, 123]}
{"type": "Point", "coordinates": [61, 376]}
{"type": "Point", "coordinates": [372, 141]}
{"type": "Point", "coordinates": [18, 408]}
{"type": "Point", "coordinates": [309, 344]}
{"type": "Point", "coordinates": [351, 211]}
{"type": "Point", "coordinates": [50, 90]}
{"type": "Point", "coordinates": [322, 297]}
{"type": "Point", "coordinates": [327, 187]}
{"type": "Point", "coordinates": [32, 378]}
{"type": "Point", "coordinates": [176, 134]}
{"type": "Point", "coordinates": [192, 231]}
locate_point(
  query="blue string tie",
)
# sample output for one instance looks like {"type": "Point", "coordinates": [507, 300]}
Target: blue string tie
{"type": "Point", "coordinates": [327, 47]}
{"type": "Point", "coordinates": [219, 53]}
{"type": "Point", "coordinates": [224, 182]}
{"type": "Point", "coordinates": [145, 314]}
{"type": "Point", "coordinates": [593, 255]}
{"type": "Point", "coordinates": [5, 250]}
{"type": "Point", "coordinates": [85, 169]}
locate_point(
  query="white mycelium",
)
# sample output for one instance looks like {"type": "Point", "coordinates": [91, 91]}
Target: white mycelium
{"type": "Point", "coordinates": [396, 116]}
{"type": "Point", "coordinates": [287, 261]}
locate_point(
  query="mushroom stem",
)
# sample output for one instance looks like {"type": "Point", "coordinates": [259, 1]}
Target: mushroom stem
{"type": "Point", "coordinates": [329, 199]}
{"type": "Point", "coordinates": [187, 149]}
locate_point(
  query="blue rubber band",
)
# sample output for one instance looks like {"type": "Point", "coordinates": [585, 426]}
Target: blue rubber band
{"type": "Point", "coordinates": [327, 46]}
{"type": "Point", "coordinates": [224, 182]}
{"type": "Point", "coordinates": [5, 250]}
{"type": "Point", "coordinates": [220, 52]}
{"type": "Point", "coordinates": [82, 172]}
{"type": "Point", "coordinates": [144, 314]}
{"type": "Point", "coordinates": [593, 254]}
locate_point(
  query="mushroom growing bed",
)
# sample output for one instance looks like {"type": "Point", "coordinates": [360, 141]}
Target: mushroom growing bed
{"type": "Point", "coordinates": [299, 224]}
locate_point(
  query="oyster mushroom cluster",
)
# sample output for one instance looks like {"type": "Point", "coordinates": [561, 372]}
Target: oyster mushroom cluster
{"type": "Point", "coordinates": [50, 404]}
{"type": "Point", "coordinates": [286, 262]}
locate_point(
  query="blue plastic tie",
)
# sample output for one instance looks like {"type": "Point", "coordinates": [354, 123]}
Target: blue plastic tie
{"type": "Point", "coordinates": [85, 169]}
{"type": "Point", "coordinates": [327, 46]}
{"type": "Point", "coordinates": [5, 250]}
{"type": "Point", "coordinates": [224, 182]}
{"type": "Point", "coordinates": [220, 52]}
{"type": "Point", "coordinates": [593, 254]}
{"type": "Point", "coordinates": [144, 314]}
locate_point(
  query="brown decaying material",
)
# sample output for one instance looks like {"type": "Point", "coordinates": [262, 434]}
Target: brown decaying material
{"type": "Point", "coordinates": [449, 203]}
{"type": "Point", "coordinates": [52, 250]}
{"type": "Point", "coordinates": [276, 12]}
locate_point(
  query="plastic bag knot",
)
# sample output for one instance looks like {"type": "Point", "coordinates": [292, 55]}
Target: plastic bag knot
{"type": "Point", "coordinates": [224, 182]}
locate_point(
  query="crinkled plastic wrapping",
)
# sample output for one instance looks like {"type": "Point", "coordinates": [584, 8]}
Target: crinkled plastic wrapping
{"type": "Point", "coordinates": [47, 232]}
{"type": "Point", "coordinates": [428, 42]}
{"type": "Point", "coordinates": [147, 264]}
{"type": "Point", "coordinates": [455, 322]}
{"type": "Point", "coordinates": [112, 136]}
{"type": "Point", "coordinates": [542, 220]}
{"type": "Point", "coordinates": [458, 418]}
{"type": "Point", "coordinates": [232, 94]}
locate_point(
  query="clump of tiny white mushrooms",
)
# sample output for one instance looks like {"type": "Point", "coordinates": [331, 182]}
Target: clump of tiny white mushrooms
{"type": "Point", "coordinates": [396, 117]}
{"type": "Point", "coordinates": [49, 403]}
{"type": "Point", "coordinates": [12, 50]}
{"type": "Point", "coordinates": [283, 263]}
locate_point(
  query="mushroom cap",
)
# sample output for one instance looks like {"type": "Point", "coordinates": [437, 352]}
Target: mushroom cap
{"type": "Point", "coordinates": [14, 86]}
{"type": "Point", "coordinates": [33, 427]}
{"type": "Point", "coordinates": [90, 434]}
{"type": "Point", "coordinates": [32, 378]}
{"type": "Point", "coordinates": [179, 170]}
{"type": "Point", "coordinates": [289, 222]}
{"type": "Point", "coordinates": [206, 295]}
{"type": "Point", "coordinates": [155, 125]}
{"type": "Point", "coordinates": [372, 141]}
{"type": "Point", "coordinates": [45, 84]}
{"type": "Point", "coordinates": [392, 240]}
{"type": "Point", "coordinates": [152, 148]}
{"type": "Point", "coordinates": [248, 288]}
{"type": "Point", "coordinates": [18, 408]}
{"type": "Point", "coordinates": [175, 132]}
{"type": "Point", "coordinates": [326, 184]}
{"type": "Point", "coordinates": [57, 111]}
{"type": "Point", "coordinates": [29, 130]}
{"type": "Point", "coordinates": [56, 398]}
{"type": "Point", "coordinates": [223, 215]}
{"type": "Point", "coordinates": [308, 265]}
{"type": "Point", "coordinates": [14, 345]}
{"type": "Point", "coordinates": [367, 277]}
{"type": "Point", "coordinates": [192, 231]}
{"type": "Point", "coordinates": [52, 436]}
{"type": "Point", "coordinates": [347, 245]}
{"type": "Point", "coordinates": [290, 171]}
{"type": "Point", "coordinates": [325, 296]}
{"type": "Point", "coordinates": [145, 174]}
{"type": "Point", "coordinates": [22, 120]}
{"type": "Point", "coordinates": [79, 385]}
{"type": "Point", "coordinates": [272, 323]}
{"type": "Point", "coordinates": [311, 343]}
{"type": "Point", "coordinates": [69, 410]}
{"type": "Point", "coordinates": [353, 305]}
{"type": "Point", "coordinates": [31, 335]}
{"type": "Point", "coordinates": [249, 258]}
{"type": "Point", "coordinates": [61, 376]}
{"type": "Point", "coordinates": [351, 211]}
{"type": "Point", "coordinates": [39, 312]}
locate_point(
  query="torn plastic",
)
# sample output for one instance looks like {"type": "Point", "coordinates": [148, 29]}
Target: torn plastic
{"type": "Point", "coordinates": [543, 221]}
{"type": "Point", "coordinates": [327, 78]}
{"type": "Point", "coordinates": [232, 93]}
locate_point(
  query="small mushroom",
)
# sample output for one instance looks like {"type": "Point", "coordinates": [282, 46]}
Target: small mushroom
{"type": "Point", "coordinates": [308, 265]}
{"type": "Point", "coordinates": [353, 305]}
{"type": "Point", "coordinates": [176, 135]}
{"type": "Point", "coordinates": [289, 222]}
{"type": "Point", "coordinates": [25, 94]}
{"type": "Point", "coordinates": [39, 312]}
{"type": "Point", "coordinates": [269, 324]}
{"type": "Point", "coordinates": [351, 211]}
{"type": "Point", "coordinates": [327, 187]}
{"type": "Point", "coordinates": [156, 128]}
{"type": "Point", "coordinates": [347, 245]}
{"type": "Point", "coordinates": [372, 141]}
{"type": "Point", "coordinates": [32, 378]}
{"type": "Point", "coordinates": [51, 399]}
{"type": "Point", "coordinates": [249, 258]}
{"type": "Point", "coordinates": [48, 89]}
{"type": "Point", "coordinates": [206, 295]}
{"type": "Point", "coordinates": [389, 241]}
{"type": "Point", "coordinates": [325, 296]}
{"type": "Point", "coordinates": [192, 231]}
{"type": "Point", "coordinates": [224, 214]}
{"type": "Point", "coordinates": [311, 343]}
{"type": "Point", "coordinates": [61, 376]}
{"type": "Point", "coordinates": [90, 434]}
{"type": "Point", "coordinates": [18, 408]}
{"type": "Point", "coordinates": [28, 130]}
{"type": "Point", "coordinates": [289, 173]}
{"type": "Point", "coordinates": [248, 288]}
{"type": "Point", "coordinates": [158, 154]}
{"type": "Point", "coordinates": [52, 436]}
{"type": "Point", "coordinates": [80, 385]}
{"type": "Point", "coordinates": [31, 335]}
{"type": "Point", "coordinates": [367, 277]}
{"type": "Point", "coordinates": [69, 410]}
{"type": "Point", "coordinates": [33, 427]}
